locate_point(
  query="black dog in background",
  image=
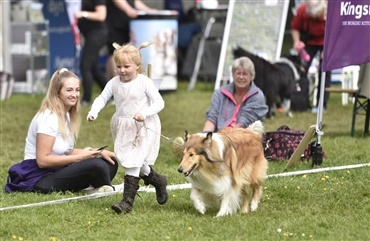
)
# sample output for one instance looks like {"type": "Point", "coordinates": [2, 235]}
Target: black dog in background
{"type": "Point", "coordinates": [277, 80]}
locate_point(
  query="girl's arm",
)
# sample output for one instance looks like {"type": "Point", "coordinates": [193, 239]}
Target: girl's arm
{"type": "Point", "coordinates": [157, 102]}
{"type": "Point", "coordinates": [100, 101]}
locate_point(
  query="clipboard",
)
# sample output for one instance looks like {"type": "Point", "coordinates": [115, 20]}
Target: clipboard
{"type": "Point", "coordinates": [310, 133]}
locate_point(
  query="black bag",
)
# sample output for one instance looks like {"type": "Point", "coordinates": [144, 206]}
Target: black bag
{"type": "Point", "coordinates": [280, 145]}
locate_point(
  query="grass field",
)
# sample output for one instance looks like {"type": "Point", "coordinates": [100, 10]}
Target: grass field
{"type": "Point", "coordinates": [331, 205]}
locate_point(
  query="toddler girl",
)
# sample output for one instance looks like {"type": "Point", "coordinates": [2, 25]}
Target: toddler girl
{"type": "Point", "coordinates": [135, 125]}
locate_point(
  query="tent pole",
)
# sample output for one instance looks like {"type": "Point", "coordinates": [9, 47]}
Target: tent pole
{"type": "Point", "coordinates": [316, 147]}
{"type": "Point", "coordinates": [320, 108]}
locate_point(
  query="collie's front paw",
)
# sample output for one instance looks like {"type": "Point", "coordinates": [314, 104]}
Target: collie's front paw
{"type": "Point", "coordinates": [225, 211]}
{"type": "Point", "coordinates": [254, 205]}
{"type": "Point", "coordinates": [219, 215]}
{"type": "Point", "coordinates": [200, 208]}
{"type": "Point", "coordinates": [198, 201]}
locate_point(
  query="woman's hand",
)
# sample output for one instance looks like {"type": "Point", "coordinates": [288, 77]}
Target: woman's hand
{"type": "Point", "coordinates": [108, 155]}
{"type": "Point", "coordinates": [89, 152]}
{"type": "Point", "coordinates": [298, 45]}
{"type": "Point", "coordinates": [209, 126]}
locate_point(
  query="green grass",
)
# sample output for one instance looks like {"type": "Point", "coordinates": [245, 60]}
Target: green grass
{"type": "Point", "coordinates": [331, 205]}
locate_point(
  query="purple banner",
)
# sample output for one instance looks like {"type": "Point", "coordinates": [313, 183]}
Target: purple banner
{"type": "Point", "coordinates": [347, 34]}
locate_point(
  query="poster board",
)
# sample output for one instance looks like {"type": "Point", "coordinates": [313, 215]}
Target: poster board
{"type": "Point", "coordinates": [160, 28]}
{"type": "Point", "coordinates": [257, 26]}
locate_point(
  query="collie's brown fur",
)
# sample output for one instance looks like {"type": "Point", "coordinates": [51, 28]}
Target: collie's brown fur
{"type": "Point", "coordinates": [226, 167]}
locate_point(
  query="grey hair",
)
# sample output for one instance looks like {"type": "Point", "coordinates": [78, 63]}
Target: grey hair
{"type": "Point", "coordinates": [316, 8]}
{"type": "Point", "coordinates": [244, 63]}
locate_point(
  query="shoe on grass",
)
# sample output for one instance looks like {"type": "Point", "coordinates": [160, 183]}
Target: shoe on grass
{"type": "Point", "coordinates": [102, 189]}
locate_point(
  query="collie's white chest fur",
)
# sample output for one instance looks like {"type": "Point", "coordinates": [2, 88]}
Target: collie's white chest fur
{"type": "Point", "coordinates": [216, 187]}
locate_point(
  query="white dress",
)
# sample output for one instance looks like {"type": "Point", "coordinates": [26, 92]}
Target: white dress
{"type": "Point", "coordinates": [135, 143]}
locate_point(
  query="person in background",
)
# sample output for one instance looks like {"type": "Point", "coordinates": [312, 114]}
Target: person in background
{"type": "Point", "coordinates": [135, 125]}
{"type": "Point", "coordinates": [120, 12]}
{"type": "Point", "coordinates": [239, 103]}
{"type": "Point", "coordinates": [92, 25]}
{"type": "Point", "coordinates": [308, 30]}
{"type": "Point", "coordinates": [51, 161]}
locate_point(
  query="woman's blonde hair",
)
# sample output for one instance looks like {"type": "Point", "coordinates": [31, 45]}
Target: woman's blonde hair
{"type": "Point", "coordinates": [52, 102]}
{"type": "Point", "coordinates": [128, 53]}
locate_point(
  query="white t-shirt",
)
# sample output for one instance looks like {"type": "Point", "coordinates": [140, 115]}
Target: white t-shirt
{"type": "Point", "coordinates": [47, 123]}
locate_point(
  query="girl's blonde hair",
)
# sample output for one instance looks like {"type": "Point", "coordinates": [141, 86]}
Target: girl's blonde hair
{"type": "Point", "coordinates": [128, 53]}
{"type": "Point", "coordinates": [52, 102]}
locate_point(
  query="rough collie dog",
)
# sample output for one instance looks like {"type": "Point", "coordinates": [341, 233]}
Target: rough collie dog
{"type": "Point", "coordinates": [225, 168]}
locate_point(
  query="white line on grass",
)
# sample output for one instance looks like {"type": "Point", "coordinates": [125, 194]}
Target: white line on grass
{"type": "Point", "coordinates": [325, 169]}
{"type": "Point", "coordinates": [119, 188]}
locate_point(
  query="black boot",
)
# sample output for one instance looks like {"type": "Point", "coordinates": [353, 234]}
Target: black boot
{"type": "Point", "coordinates": [131, 185]}
{"type": "Point", "coordinates": [160, 184]}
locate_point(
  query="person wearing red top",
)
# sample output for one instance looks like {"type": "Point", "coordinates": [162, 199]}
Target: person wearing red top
{"type": "Point", "coordinates": [308, 30]}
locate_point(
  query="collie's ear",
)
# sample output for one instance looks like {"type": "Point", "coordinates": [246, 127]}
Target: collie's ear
{"type": "Point", "coordinates": [208, 138]}
{"type": "Point", "coordinates": [209, 135]}
{"type": "Point", "coordinates": [186, 135]}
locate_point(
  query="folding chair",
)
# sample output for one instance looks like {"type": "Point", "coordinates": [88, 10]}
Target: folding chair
{"type": "Point", "coordinates": [361, 107]}
{"type": "Point", "coordinates": [361, 104]}
{"type": "Point", "coordinates": [213, 32]}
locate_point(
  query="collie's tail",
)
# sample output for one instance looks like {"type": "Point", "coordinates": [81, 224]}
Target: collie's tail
{"type": "Point", "coordinates": [257, 127]}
